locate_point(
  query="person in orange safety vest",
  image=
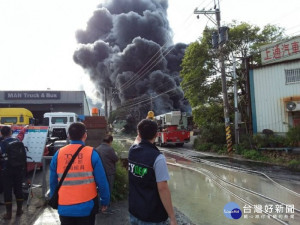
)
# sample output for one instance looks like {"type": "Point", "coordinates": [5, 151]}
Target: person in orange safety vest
{"type": "Point", "coordinates": [78, 199]}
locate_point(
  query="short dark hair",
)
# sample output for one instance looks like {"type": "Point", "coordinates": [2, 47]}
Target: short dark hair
{"type": "Point", "coordinates": [108, 138]}
{"type": "Point", "coordinates": [147, 129]}
{"type": "Point", "coordinates": [76, 131]}
{"type": "Point", "coordinates": [5, 131]}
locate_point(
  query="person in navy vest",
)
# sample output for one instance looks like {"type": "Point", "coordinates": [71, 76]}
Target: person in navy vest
{"type": "Point", "coordinates": [12, 177]}
{"type": "Point", "coordinates": [149, 195]}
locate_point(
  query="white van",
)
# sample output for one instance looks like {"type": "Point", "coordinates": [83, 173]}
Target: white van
{"type": "Point", "coordinates": [59, 123]}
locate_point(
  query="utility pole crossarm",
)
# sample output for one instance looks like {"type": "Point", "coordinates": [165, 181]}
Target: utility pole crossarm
{"type": "Point", "coordinates": [206, 13]}
{"type": "Point", "coordinates": [196, 11]}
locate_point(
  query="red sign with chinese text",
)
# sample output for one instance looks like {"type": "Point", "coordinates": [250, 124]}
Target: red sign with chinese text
{"type": "Point", "coordinates": [281, 51]}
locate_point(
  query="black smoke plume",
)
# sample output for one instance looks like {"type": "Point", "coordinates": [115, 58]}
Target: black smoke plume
{"type": "Point", "coordinates": [127, 46]}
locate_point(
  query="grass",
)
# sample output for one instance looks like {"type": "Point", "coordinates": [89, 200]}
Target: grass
{"type": "Point", "coordinates": [254, 155]}
{"type": "Point", "coordinates": [294, 164]}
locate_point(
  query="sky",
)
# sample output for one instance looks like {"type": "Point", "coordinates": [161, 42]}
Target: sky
{"type": "Point", "coordinates": [37, 38]}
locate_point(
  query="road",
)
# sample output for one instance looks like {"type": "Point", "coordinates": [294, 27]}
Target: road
{"type": "Point", "coordinates": [202, 184]}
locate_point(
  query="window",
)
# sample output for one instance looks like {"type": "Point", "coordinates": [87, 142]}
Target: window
{"type": "Point", "coordinates": [63, 120]}
{"type": "Point", "coordinates": [292, 76]}
{"type": "Point", "coordinates": [9, 120]}
{"type": "Point", "coordinates": [71, 119]}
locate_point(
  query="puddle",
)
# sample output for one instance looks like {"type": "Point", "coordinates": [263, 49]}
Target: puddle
{"type": "Point", "coordinates": [203, 201]}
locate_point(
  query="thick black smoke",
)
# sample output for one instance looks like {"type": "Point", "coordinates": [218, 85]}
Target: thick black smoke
{"type": "Point", "coordinates": [128, 46]}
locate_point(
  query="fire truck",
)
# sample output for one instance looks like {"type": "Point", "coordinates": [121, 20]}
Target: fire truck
{"type": "Point", "coordinates": [173, 128]}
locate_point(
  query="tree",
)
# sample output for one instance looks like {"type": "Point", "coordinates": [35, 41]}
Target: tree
{"type": "Point", "coordinates": [200, 73]}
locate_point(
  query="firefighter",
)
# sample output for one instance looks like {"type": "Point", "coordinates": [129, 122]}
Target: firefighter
{"type": "Point", "coordinates": [150, 115]}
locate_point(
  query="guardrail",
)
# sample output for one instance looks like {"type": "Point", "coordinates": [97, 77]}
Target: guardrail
{"type": "Point", "coordinates": [286, 149]}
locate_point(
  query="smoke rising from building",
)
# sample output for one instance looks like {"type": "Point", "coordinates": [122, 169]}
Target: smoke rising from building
{"type": "Point", "coordinates": [127, 45]}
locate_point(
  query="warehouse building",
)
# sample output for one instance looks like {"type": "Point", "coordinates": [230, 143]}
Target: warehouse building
{"type": "Point", "coordinates": [40, 102]}
{"type": "Point", "coordinates": [275, 88]}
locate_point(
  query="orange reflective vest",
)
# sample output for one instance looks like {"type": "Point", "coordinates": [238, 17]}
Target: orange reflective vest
{"type": "Point", "coordinates": [79, 184]}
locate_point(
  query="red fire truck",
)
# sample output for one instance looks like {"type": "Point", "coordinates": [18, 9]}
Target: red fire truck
{"type": "Point", "coordinates": [173, 128]}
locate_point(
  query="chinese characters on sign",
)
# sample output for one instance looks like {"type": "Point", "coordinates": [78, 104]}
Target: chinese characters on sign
{"type": "Point", "coordinates": [269, 211]}
{"type": "Point", "coordinates": [281, 51]}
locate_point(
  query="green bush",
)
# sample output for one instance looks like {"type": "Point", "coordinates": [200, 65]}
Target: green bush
{"type": "Point", "coordinates": [240, 149]}
{"type": "Point", "coordinates": [262, 141]}
{"type": "Point", "coordinates": [222, 149]}
{"type": "Point", "coordinates": [118, 147]}
{"type": "Point", "coordinates": [120, 190]}
{"type": "Point", "coordinates": [259, 141]}
{"type": "Point", "coordinates": [213, 133]}
{"type": "Point", "coordinates": [204, 147]}
{"type": "Point", "coordinates": [293, 136]}
{"type": "Point", "coordinates": [276, 141]}
{"type": "Point", "coordinates": [197, 142]}
{"type": "Point", "coordinates": [246, 142]}
{"type": "Point", "coordinates": [200, 146]}
{"type": "Point", "coordinates": [216, 148]}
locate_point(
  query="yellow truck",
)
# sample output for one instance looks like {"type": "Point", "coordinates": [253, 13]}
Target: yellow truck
{"type": "Point", "coordinates": [18, 116]}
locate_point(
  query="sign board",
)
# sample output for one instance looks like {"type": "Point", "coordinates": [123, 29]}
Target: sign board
{"type": "Point", "coordinates": [29, 95]}
{"type": "Point", "coordinates": [35, 140]}
{"type": "Point", "coordinates": [281, 51]}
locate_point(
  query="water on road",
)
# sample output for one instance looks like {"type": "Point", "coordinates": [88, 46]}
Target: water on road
{"type": "Point", "coordinates": [201, 195]}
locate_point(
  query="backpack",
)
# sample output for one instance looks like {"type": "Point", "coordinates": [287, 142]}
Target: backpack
{"type": "Point", "coordinates": [16, 154]}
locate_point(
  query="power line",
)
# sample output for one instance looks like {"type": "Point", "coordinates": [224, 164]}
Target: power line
{"type": "Point", "coordinates": [143, 68]}
{"type": "Point", "coordinates": [149, 98]}
{"type": "Point", "coordinates": [166, 86]}
{"type": "Point", "coordinates": [280, 17]}
{"type": "Point", "coordinates": [159, 94]}
{"type": "Point", "coordinates": [146, 71]}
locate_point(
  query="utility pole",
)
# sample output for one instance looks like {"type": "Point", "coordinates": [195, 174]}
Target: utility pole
{"type": "Point", "coordinates": [236, 110]}
{"type": "Point", "coordinates": [105, 102]}
{"type": "Point", "coordinates": [221, 41]}
{"type": "Point", "coordinates": [110, 101]}
{"type": "Point", "coordinates": [151, 104]}
{"type": "Point", "coordinates": [248, 97]}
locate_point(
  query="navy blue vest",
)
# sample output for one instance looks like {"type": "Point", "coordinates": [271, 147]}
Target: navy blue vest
{"type": "Point", "coordinates": [144, 200]}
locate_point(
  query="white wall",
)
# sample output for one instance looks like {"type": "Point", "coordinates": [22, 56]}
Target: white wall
{"type": "Point", "coordinates": [271, 93]}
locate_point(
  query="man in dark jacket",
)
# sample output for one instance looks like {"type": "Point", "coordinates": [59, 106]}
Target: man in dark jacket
{"type": "Point", "coordinates": [149, 195]}
{"type": "Point", "coordinates": [109, 159]}
{"type": "Point", "coordinates": [1, 183]}
{"type": "Point", "coordinates": [12, 177]}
